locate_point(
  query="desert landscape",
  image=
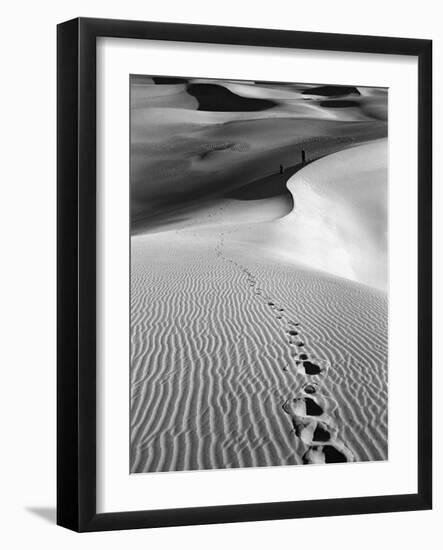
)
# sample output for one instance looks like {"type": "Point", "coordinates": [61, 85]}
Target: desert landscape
{"type": "Point", "coordinates": [259, 299]}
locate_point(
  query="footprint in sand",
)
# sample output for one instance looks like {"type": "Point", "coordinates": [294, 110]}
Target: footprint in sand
{"type": "Point", "coordinates": [312, 369]}
{"type": "Point", "coordinates": [310, 422]}
{"type": "Point", "coordinates": [313, 425]}
{"type": "Point", "coordinates": [321, 434]}
{"type": "Point", "coordinates": [310, 388]}
{"type": "Point", "coordinates": [302, 407]}
{"type": "Point", "coordinates": [331, 453]}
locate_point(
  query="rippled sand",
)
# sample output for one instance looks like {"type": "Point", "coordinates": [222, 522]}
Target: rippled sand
{"type": "Point", "coordinates": [239, 359]}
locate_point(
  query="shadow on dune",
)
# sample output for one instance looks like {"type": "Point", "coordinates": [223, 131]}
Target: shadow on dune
{"type": "Point", "coordinates": [332, 91]}
{"type": "Point", "coordinates": [214, 97]}
{"type": "Point", "coordinates": [182, 158]}
{"type": "Point", "coordinates": [169, 80]}
{"type": "Point", "coordinates": [239, 181]}
{"type": "Point", "coordinates": [334, 103]}
{"type": "Point", "coordinates": [267, 187]}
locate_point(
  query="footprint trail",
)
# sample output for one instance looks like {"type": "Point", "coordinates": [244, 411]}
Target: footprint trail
{"type": "Point", "coordinates": [311, 414]}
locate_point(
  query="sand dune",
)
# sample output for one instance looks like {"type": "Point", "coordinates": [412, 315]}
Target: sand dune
{"type": "Point", "coordinates": [338, 222]}
{"type": "Point", "coordinates": [258, 274]}
{"type": "Point", "coordinates": [214, 364]}
{"type": "Point", "coordinates": [186, 145]}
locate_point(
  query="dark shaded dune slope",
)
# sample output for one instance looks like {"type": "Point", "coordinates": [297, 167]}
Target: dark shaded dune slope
{"type": "Point", "coordinates": [340, 103]}
{"type": "Point", "coordinates": [214, 97]}
{"type": "Point", "coordinates": [332, 91]}
{"type": "Point", "coordinates": [264, 188]}
{"type": "Point", "coordinates": [169, 80]}
{"type": "Point", "coordinates": [232, 173]}
{"type": "Point", "coordinates": [270, 186]}
{"type": "Point", "coordinates": [194, 140]}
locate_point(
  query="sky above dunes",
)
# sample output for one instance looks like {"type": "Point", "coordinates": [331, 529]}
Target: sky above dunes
{"type": "Point", "coordinates": [196, 140]}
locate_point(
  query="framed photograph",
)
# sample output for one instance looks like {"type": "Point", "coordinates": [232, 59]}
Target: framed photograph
{"type": "Point", "coordinates": [244, 274]}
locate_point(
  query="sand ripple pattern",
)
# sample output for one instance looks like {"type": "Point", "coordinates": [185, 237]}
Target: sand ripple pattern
{"type": "Point", "coordinates": [309, 411]}
{"type": "Point", "coordinates": [220, 362]}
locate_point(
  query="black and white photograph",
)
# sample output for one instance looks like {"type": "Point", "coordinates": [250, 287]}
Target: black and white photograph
{"type": "Point", "coordinates": [222, 320]}
{"type": "Point", "coordinates": [258, 273]}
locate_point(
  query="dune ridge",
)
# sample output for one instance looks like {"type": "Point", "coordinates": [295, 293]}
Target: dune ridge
{"type": "Point", "coordinates": [197, 138]}
{"type": "Point", "coordinates": [337, 222]}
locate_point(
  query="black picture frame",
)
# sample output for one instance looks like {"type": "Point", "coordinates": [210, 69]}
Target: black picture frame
{"type": "Point", "coordinates": [76, 265]}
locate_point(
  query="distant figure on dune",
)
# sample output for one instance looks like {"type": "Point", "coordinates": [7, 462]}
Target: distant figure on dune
{"type": "Point", "coordinates": [281, 169]}
{"type": "Point", "coordinates": [303, 156]}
